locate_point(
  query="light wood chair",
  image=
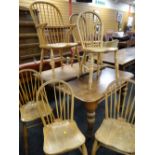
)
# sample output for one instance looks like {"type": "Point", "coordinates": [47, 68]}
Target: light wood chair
{"type": "Point", "coordinates": [29, 82]}
{"type": "Point", "coordinates": [61, 134]}
{"type": "Point", "coordinates": [90, 31]}
{"type": "Point", "coordinates": [52, 32]}
{"type": "Point", "coordinates": [117, 131]}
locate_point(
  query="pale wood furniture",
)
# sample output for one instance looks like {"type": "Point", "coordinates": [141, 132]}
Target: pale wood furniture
{"type": "Point", "coordinates": [125, 56]}
{"type": "Point", "coordinates": [52, 32]}
{"type": "Point", "coordinates": [117, 131]}
{"type": "Point", "coordinates": [91, 97]}
{"type": "Point", "coordinates": [29, 82]}
{"type": "Point", "coordinates": [61, 134]}
{"type": "Point", "coordinates": [90, 29]}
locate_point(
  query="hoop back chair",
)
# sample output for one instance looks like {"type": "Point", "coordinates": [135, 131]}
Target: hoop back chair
{"type": "Point", "coordinates": [52, 32]}
{"type": "Point", "coordinates": [29, 82]}
{"type": "Point", "coordinates": [90, 29]}
{"type": "Point", "coordinates": [61, 133]}
{"type": "Point", "coordinates": [117, 131]}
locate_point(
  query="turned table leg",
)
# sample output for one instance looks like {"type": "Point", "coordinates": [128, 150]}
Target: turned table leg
{"type": "Point", "coordinates": [91, 108]}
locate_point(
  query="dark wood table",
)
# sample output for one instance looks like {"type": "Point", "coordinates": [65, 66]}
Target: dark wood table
{"type": "Point", "coordinates": [92, 97]}
{"type": "Point", "coordinates": [126, 57]}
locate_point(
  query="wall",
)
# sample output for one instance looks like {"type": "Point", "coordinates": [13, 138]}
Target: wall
{"type": "Point", "coordinates": [108, 15]}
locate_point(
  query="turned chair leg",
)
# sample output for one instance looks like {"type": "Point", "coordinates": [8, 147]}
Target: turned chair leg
{"type": "Point", "coordinates": [95, 147]}
{"type": "Point", "coordinates": [78, 55]}
{"type": "Point", "coordinates": [61, 59]}
{"type": "Point", "coordinates": [84, 150]}
{"type": "Point", "coordinates": [116, 64]}
{"type": "Point", "coordinates": [41, 60]}
{"type": "Point", "coordinates": [25, 131]}
{"type": "Point", "coordinates": [82, 63]}
{"type": "Point", "coordinates": [78, 58]}
{"type": "Point", "coordinates": [91, 69]}
{"type": "Point", "coordinates": [52, 63]}
{"type": "Point", "coordinates": [99, 61]}
{"type": "Point", "coordinates": [72, 56]}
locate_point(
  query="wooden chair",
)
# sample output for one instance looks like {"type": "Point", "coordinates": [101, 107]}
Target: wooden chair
{"type": "Point", "coordinates": [52, 32]}
{"type": "Point", "coordinates": [117, 131]}
{"type": "Point", "coordinates": [29, 82]}
{"type": "Point", "coordinates": [90, 31]}
{"type": "Point", "coordinates": [61, 134]}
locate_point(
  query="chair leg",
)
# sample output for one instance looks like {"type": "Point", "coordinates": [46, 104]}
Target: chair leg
{"type": "Point", "coordinates": [72, 56]}
{"type": "Point", "coordinates": [25, 131]}
{"type": "Point", "coordinates": [41, 60]}
{"type": "Point", "coordinates": [52, 63]}
{"type": "Point", "coordinates": [61, 58]}
{"type": "Point", "coordinates": [78, 58]}
{"type": "Point", "coordinates": [82, 63]}
{"type": "Point", "coordinates": [84, 150]}
{"type": "Point", "coordinates": [91, 69]}
{"type": "Point", "coordinates": [95, 147]}
{"type": "Point", "coordinates": [98, 64]}
{"type": "Point", "coordinates": [116, 64]}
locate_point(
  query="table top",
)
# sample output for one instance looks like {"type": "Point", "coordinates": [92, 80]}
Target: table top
{"type": "Point", "coordinates": [125, 56]}
{"type": "Point", "coordinates": [68, 72]}
{"type": "Point", "coordinates": [80, 86]}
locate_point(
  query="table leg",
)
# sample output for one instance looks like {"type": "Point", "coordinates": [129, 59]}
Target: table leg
{"type": "Point", "coordinates": [91, 108]}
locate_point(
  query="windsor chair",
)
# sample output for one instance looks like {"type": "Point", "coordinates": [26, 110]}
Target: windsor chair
{"type": "Point", "coordinates": [53, 34]}
{"type": "Point", "coordinates": [61, 134]}
{"type": "Point", "coordinates": [117, 131]}
{"type": "Point", "coordinates": [90, 29]}
{"type": "Point", "coordinates": [29, 82]}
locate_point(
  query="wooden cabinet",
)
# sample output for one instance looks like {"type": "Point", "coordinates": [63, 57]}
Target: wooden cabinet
{"type": "Point", "coordinates": [28, 40]}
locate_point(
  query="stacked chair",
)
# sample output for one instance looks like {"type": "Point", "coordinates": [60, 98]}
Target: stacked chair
{"type": "Point", "coordinates": [90, 30]}
{"type": "Point", "coordinates": [53, 34]}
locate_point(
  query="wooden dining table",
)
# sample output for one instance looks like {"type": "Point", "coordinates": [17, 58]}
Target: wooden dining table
{"type": "Point", "coordinates": [126, 57]}
{"type": "Point", "coordinates": [90, 97]}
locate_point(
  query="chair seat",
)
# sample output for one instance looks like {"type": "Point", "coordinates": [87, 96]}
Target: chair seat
{"type": "Point", "coordinates": [29, 111]}
{"type": "Point", "coordinates": [59, 45]}
{"type": "Point", "coordinates": [62, 136]}
{"type": "Point", "coordinates": [100, 49]}
{"type": "Point", "coordinates": [117, 134]}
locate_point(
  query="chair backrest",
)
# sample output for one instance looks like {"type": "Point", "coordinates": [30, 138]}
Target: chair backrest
{"type": "Point", "coordinates": [44, 12]}
{"type": "Point", "coordinates": [73, 20]}
{"type": "Point", "coordinates": [61, 103]}
{"type": "Point", "coordinates": [49, 22]}
{"type": "Point", "coordinates": [89, 26]}
{"type": "Point", "coordinates": [29, 82]}
{"type": "Point", "coordinates": [120, 100]}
